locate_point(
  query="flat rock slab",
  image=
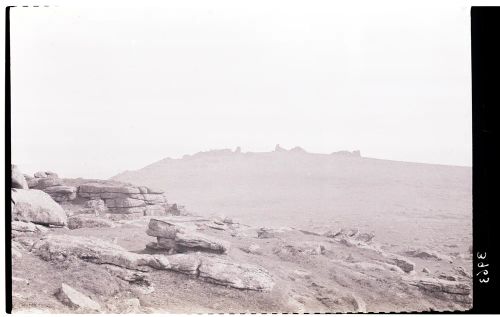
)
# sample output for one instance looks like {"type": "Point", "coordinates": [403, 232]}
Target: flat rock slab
{"type": "Point", "coordinates": [23, 226]}
{"type": "Point", "coordinates": [183, 263]}
{"type": "Point", "coordinates": [213, 269]}
{"type": "Point", "coordinates": [73, 298]}
{"type": "Point", "coordinates": [124, 203]}
{"type": "Point", "coordinates": [36, 206]}
{"type": "Point", "coordinates": [60, 189]}
{"type": "Point", "coordinates": [103, 188]}
{"type": "Point", "coordinates": [60, 247]}
{"type": "Point", "coordinates": [427, 255]}
{"type": "Point", "coordinates": [242, 276]}
{"type": "Point", "coordinates": [217, 270]}
{"type": "Point", "coordinates": [198, 241]}
{"type": "Point", "coordinates": [456, 291]}
{"type": "Point", "coordinates": [184, 237]}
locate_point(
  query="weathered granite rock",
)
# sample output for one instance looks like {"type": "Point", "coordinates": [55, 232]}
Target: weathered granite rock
{"type": "Point", "coordinates": [267, 233]}
{"type": "Point", "coordinates": [176, 210]}
{"type": "Point", "coordinates": [252, 248]}
{"type": "Point", "coordinates": [404, 264]}
{"type": "Point", "coordinates": [40, 175]}
{"type": "Point", "coordinates": [198, 241]}
{"type": "Point", "coordinates": [73, 298]}
{"type": "Point", "coordinates": [61, 193]}
{"type": "Point", "coordinates": [183, 263]}
{"type": "Point", "coordinates": [211, 269]}
{"type": "Point", "coordinates": [304, 248]}
{"type": "Point", "coordinates": [124, 203]}
{"type": "Point", "coordinates": [166, 244]}
{"type": "Point", "coordinates": [184, 238]}
{"type": "Point", "coordinates": [458, 291]}
{"type": "Point", "coordinates": [131, 276]}
{"type": "Point", "coordinates": [23, 226]}
{"type": "Point", "coordinates": [97, 205]}
{"type": "Point", "coordinates": [365, 237]}
{"type": "Point", "coordinates": [42, 183]}
{"type": "Point", "coordinates": [222, 271]}
{"type": "Point", "coordinates": [164, 229]}
{"type": "Point", "coordinates": [103, 188]}
{"type": "Point", "coordinates": [427, 255]}
{"type": "Point", "coordinates": [36, 206]}
{"type": "Point", "coordinates": [154, 190]}
{"type": "Point", "coordinates": [88, 221]}
{"type": "Point", "coordinates": [150, 198]}
{"type": "Point", "coordinates": [60, 247]}
{"type": "Point", "coordinates": [46, 174]}
{"type": "Point", "coordinates": [128, 210]}
{"type": "Point", "coordinates": [18, 180]}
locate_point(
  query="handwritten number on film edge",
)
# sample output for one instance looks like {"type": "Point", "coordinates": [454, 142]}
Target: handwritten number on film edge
{"type": "Point", "coordinates": [482, 256]}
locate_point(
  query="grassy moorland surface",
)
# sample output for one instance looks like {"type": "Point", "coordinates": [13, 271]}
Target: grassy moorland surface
{"type": "Point", "coordinates": [403, 204]}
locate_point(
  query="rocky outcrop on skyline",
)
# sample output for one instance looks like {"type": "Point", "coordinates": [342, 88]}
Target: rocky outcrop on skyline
{"type": "Point", "coordinates": [100, 197]}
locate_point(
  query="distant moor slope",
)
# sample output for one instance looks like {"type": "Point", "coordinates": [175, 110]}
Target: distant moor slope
{"type": "Point", "coordinates": [401, 202]}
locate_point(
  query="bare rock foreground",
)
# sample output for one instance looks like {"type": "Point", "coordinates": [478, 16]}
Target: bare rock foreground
{"type": "Point", "coordinates": [102, 254]}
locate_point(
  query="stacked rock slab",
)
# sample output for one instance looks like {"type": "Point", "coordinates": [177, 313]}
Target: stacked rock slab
{"type": "Point", "coordinates": [174, 238]}
{"type": "Point", "coordinates": [122, 199]}
{"type": "Point", "coordinates": [50, 183]}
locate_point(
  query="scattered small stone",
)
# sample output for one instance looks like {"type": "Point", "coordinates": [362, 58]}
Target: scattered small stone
{"type": "Point", "coordinates": [447, 277]}
{"type": "Point", "coordinates": [73, 298]}
{"type": "Point", "coordinates": [252, 248]}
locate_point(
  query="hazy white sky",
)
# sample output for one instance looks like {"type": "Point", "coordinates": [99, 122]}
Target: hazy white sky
{"type": "Point", "coordinates": [99, 91]}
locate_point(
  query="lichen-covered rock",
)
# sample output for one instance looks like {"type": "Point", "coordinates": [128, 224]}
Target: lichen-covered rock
{"type": "Point", "coordinates": [73, 298]}
{"type": "Point", "coordinates": [184, 238]}
{"type": "Point", "coordinates": [46, 174]}
{"type": "Point", "coordinates": [268, 233]}
{"type": "Point", "coordinates": [61, 193]}
{"type": "Point", "coordinates": [183, 263]}
{"type": "Point", "coordinates": [23, 226]}
{"type": "Point", "coordinates": [40, 175]}
{"type": "Point", "coordinates": [43, 183]}
{"type": "Point", "coordinates": [198, 241]}
{"type": "Point", "coordinates": [404, 264]}
{"type": "Point", "coordinates": [38, 207]}
{"type": "Point", "coordinates": [427, 255]}
{"type": "Point", "coordinates": [252, 248]}
{"type": "Point", "coordinates": [60, 247]}
{"type": "Point", "coordinates": [103, 188]}
{"type": "Point", "coordinates": [458, 291]}
{"type": "Point", "coordinates": [18, 180]}
{"type": "Point", "coordinates": [222, 271]}
{"type": "Point", "coordinates": [164, 229]}
{"type": "Point", "coordinates": [96, 205]}
{"type": "Point", "coordinates": [124, 203]}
